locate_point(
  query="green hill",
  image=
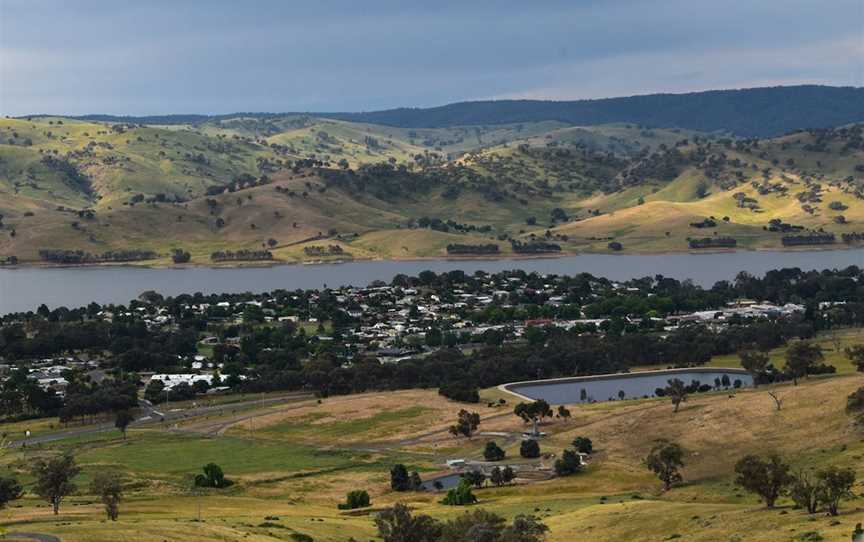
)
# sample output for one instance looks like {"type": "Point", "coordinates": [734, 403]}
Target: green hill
{"type": "Point", "coordinates": [282, 183]}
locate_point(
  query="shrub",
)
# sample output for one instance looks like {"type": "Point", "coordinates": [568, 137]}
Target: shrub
{"type": "Point", "coordinates": [355, 499]}
{"type": "Point", "coordinates": [529, 449]}
{"type": "Point", "coordinates": [493, 452]}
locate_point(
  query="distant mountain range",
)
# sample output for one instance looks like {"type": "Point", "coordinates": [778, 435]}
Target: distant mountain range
{"type": "Point", "coordinates": [755, 112]}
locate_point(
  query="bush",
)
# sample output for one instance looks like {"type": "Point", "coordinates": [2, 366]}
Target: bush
{"type": "Point", "coordinates": [529, 449]}
{"type": "Point", "coordinates": [212, 477]}
{"type": "Point", "coordinates": [355, 499]}
{"type": "Point", "coordinates": [458, 391]}
{"type": "Point", "coordinates": [493, 452]}
{"type": "Point", "coordinates": [583, 445]}
{"type": "Point", "coordinates": [460, 495]}
{"type": "Point", "coordinates": [570, 463]}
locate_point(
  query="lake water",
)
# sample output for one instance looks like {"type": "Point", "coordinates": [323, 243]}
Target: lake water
{"type": "Point", "coordinates": [605, 387]}
{"type": "Point", "coordinates": [24, 289]}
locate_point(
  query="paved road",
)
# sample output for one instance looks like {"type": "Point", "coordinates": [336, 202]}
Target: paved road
{"type": "Point", "coordinates": [151, 415]}
{"type": "Point", "coordinates": [39, 537]}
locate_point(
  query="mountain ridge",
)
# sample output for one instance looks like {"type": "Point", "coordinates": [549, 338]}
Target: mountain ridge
{"type": "Point", "coordinates": [749, 112]}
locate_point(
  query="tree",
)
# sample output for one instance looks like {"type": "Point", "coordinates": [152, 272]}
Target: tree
{"type": "Point", "coordinates": [508, 475]}
{"type": "Point", "coordinates": [583, 445]}
{"type": "Point", "coordinates": [466, 424]}
{"type": "Point", "coordinates": [396, 524]}
{"type": "Point", "coordinates": [213, 477]}
{"type": "Point", "coordinates": [355, 499]}
{"type": "Point", "coordinates": [460, 495]}
{"type": "Point", "coordinates": [155, 392]}
{"type": "Point", "coordinates": [475, 477]}
{"type": "Point", "coordinates": [525, 529]}
{"type": "Point", "coordinates": [564, 412]}
{"type": "Point", "coordinates": [569, 463]}
{"type": "Point", "coordinates": [835, 484]}
{"type": "Point", "coordinates": [415, 481]}
{"type": "Point", "coordinates": [493, 452]}
{"type": "Point", "coordinates": [529, 449]}
{"type": "Point", "coordinates": [536, 410]}
{"type": "Point", "coordinates": [804, 491]}
{"type": "Point", "coordinates": [476, 525]}
{"type": "Point", "coordinates": [10, 490]}
{"type": "Point", "coordinates": [754, 362]}
{"type": "Point", "coordinates": [497, 477]}
{"type": "Point", "coordinates": [856, 356]}
{"type": "Point", "coordinates": [764, 477]}
{"type": "Point", "coordinates": [677, 391]}
{"type": "Point", "coordinates": [664, 459]}
{"type": "Point", "coordinates": [399, 478]}
{"type": "Point", "coordinates": [109, 487]}
{"type": "Point", "coordinates": [179, 255]}
{"type": "Point", "coordinates": [122, 420]}
{"type": "Point", "coordinates": [54, 479]}
{"type": "Point", "coordinates": [801, 356]}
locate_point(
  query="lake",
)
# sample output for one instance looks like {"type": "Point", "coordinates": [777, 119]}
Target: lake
{"type": "Point", "coordinates": [561, 391]}
{"type": "Point", "coordinates": [25, 288]}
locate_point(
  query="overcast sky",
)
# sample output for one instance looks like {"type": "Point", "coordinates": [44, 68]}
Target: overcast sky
{"type": "Point", "coordinates": [211, 56]}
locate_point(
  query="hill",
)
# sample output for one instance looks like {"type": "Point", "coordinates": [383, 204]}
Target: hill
{"type": "Point", "coordinates": [306, 188]}
{"type": "Point", "coordinates": [303, 456]}
{"type": "Point", "coordinates": [753, 112]}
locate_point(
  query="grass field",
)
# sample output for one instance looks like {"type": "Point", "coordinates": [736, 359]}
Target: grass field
{"type": "Point", "coordinates": [292, 463]}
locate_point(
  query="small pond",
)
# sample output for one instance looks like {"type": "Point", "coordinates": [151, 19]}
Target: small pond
{"type": "Point", "coordinates": [448, 481]}
{"type": "Point", "coordinates": [609, 387]}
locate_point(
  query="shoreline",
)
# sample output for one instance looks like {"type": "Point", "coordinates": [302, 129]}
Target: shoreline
{"type": "Point", "coordinates": [479, 258]}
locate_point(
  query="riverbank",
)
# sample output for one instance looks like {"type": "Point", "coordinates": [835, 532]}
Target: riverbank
{"type": "Point", "coordinates": [166, 263]}
{"type": "Point", "coordinates": [25, 288]}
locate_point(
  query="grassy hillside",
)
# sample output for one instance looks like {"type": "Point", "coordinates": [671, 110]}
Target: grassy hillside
{"type": "Point", "coordinates": [292, 463]}
{"type": "Point", "coordinates": [283, 183]}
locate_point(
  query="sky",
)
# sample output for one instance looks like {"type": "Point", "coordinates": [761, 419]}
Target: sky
{"type": "Point", "coordinates": [221, 56]}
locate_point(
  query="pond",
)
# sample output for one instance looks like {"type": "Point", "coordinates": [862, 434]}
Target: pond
{"type": "Point", "coordinates": [25, 288]}
{"type": "Point", "coordinates": [637, 385]}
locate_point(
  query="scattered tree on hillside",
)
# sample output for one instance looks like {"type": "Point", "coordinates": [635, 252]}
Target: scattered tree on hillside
{"type": "Point", "coordinates": [677, 391]}
{"type": "Point", "coordinates": [800, 357]}
{"type": "Point", "coordinates": [569, 463]}
{"type": "Point", "coordinates": [109, 487]}
{"type": "Point", "coordinates": [856, 356]}
{"type": "Point", "coordinates": [564, 412]}
{"type": "Point", "coordinates": [804, 491]}
{"type": "Point", "coordinates": [764, 477]}
{"type": "Point", "coordinates": [537, 410]}
{"type": "Point", "coordinates": [10, 490]}
{"type": "Point", "coordinates": [665, 459]}
{"type": "Point", "coordinates": [460, 495]}
{"type": "Point", "coordinates": [835, 484]}
{"type": "Point", "coordinates": [493, 452]}
{"type": "Point", "coordinates": [583, 445]}
{"type": "Point", "coordinates": [401, 480]}
{"type": "Point", "coordinates": [754, 362]}
{"type": "Point", "coordinates": [213, 477]}
{"type": "Point", "coordinates": [466, 424]}
{"type": "Point", "coordinates": [397, 524]}
{"type": "Point", "coordinates": [529, 449]}
{"type": "Point", "coordinates": [122, 420]}
{"type": "Point", "coordinates": [355, 499]}
{"type": "Point", "coordinates": [54, 479]}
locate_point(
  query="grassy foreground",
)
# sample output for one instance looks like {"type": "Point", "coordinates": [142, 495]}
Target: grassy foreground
{"type": "Point", "coordinates": [293, 463]}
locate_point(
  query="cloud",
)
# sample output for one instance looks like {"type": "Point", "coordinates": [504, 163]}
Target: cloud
{"type": "Point", "coordinates": [220, 56]}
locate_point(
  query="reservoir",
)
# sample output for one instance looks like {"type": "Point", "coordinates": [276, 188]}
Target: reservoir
{"type": "Point", "coordinates": [25, 288]}
{"type": "Point", "coordinates": [573, 390]}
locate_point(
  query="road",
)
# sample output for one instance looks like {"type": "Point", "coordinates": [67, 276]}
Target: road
{"type": "Point", "coordinates": [151, 415]}
{"type": "Point", "coordinates": [39, 537]}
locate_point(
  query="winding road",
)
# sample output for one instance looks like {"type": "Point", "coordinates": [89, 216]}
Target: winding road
{"type": "Point", "coordinates": [149, 415]}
